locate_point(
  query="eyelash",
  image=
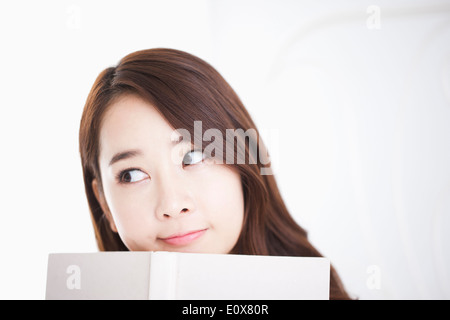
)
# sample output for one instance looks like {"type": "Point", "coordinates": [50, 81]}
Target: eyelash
{"type": "Point", "coordinates": [120, 176]}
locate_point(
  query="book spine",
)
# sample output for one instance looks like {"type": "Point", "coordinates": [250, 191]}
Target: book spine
{"type": "Point", "coordinates": [163, 276]}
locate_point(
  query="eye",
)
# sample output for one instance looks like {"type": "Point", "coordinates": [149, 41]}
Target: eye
{"type": "Point", "coordinates": [193, 157]}
{"type": "Point", "coordinates": [131, 175]}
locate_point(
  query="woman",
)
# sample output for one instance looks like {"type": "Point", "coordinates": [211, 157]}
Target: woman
{"type": "Point", "coordinates": [151, 187]}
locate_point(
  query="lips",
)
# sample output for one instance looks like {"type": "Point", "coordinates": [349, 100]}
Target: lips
{"type": "Point", "coordinates": [182, 239]}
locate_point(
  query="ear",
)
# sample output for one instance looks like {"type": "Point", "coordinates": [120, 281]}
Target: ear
{"type": "Point", "coordinates": [102, 201]}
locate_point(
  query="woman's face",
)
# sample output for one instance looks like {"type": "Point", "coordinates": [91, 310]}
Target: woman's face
{"type": "Point", "coordinates": [160, 195]}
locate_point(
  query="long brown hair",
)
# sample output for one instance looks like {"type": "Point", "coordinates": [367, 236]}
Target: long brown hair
{"type": "Point", "coordinates": [184, 88]}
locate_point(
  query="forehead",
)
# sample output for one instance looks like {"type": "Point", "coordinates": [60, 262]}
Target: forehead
{"type": "Point", "coordinates": [132, 122]}
{"type": "Point", "coordinates": [131, 109]}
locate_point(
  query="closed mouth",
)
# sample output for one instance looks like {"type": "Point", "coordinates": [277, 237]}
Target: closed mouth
{"type": "Point", "coordinates": [184, 238]}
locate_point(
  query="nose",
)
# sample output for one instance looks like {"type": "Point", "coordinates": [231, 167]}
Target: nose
{"type": "Point", "coordinates": [173, 198]}
{"type": "Point", "coordinates": [170, 214]}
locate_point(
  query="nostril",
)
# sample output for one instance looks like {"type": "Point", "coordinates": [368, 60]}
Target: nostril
{"type": "Point", "coordinates": [184, 210]}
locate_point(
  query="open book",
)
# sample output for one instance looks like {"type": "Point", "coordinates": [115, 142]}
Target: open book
{"type": "Point", "coordinates": [171, 275]}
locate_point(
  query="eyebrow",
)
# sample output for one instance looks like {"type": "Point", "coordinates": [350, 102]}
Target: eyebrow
{"type": "Point", "coordinates": [127, 154]}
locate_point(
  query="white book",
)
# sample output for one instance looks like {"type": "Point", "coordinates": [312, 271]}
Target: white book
{"type": "Point", "coordinates": [185, 276]}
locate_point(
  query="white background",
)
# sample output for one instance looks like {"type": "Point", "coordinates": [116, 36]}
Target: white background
{"type": "Point", "coordinates": [353, 97]}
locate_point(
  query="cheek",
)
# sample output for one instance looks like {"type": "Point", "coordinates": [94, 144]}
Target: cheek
{"type": "Point", "coordinates": [131, 213]}
{"type": "Point", "coordinates": [223, 201]}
